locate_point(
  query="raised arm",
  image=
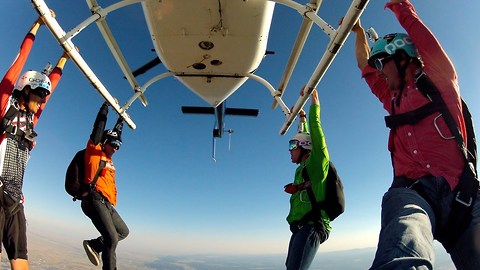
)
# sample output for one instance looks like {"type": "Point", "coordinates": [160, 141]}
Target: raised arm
{"type": "Point", "coordinates": [119, 126]}
{"type": "Point", "coordinates": [54, 77]}
{"type": "Point", "coordinates": [39, 22]}
{"type": "Point", "coordinates": [99, 125]}
{"type": "Point", "coordinates": [56, 73]}
{"type": "Point", "coordinates": [362, 51]}
{"type": "Point", "coordinates": [314, 96]}
{"type": "Point", "coordinates": [437, 63]}
{"type": "Point", "coordinates": [8, 82]}
{"type": "Point", "coordinates": [302, 124]}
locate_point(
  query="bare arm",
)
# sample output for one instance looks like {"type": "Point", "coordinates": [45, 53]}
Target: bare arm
{"type": "Point", "coordinates": [62, 60]}
{"type": "Point", "coordinates": [36, 25]}
{"type": "Point", "coordinates": [314, 96]}
{"type": "Point", "coordinates": [362, 51]}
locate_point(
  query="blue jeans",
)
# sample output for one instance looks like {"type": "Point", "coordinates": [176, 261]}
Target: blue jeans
{"type": "Point", "coordinates": [409, 224]}
{"type": "Point", "coordinates": [110, 225]}
{"type": "Point", "coordinates": [303, 246]}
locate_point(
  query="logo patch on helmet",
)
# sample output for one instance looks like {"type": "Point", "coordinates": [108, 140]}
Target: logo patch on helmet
{"type": "Point", "coordinates": [112, 133]}
{"type": "Point", "coordinates": [392, 47]}
{"type": "Point", "coordinates": [39, 83]}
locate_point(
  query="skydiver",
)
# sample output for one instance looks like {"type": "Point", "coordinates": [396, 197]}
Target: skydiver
{"type": "Point", "coordinates": [21, 107]}
{"type": "Point", "coordinates": [308, 149]}
{"type": "Point", "coordinates": [99, 204]}
{"type": "Point", "coordinates": [426, 157]}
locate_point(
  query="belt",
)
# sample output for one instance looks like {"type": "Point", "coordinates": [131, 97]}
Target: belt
{"type": "Point", "coordinates": [98, 196]}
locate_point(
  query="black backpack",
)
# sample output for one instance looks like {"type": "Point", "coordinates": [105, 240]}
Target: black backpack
{"type": "Point", "coordinates": [75, 175]}
{"type": "Point", "coordinates": [334, 204]}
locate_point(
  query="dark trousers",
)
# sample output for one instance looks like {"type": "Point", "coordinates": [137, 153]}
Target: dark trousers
{"type": "Point", "coordinates": [304, 243]}
{"type": "Point", "coordinates": [110, 225]}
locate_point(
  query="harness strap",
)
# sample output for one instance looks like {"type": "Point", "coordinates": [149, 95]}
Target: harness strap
{"type": "Point", "coordinates": [97, 174]}
{"type": "Point", "coordinates": [316, 206]}
{"type": "Point", "coordinates": [25, 138]}
{"type": "Point", "coordinates": [412, 117]}
{"type": "Point", "coordinates": [9, 116]}
{"type": "Point", "coordinates": [466, 190]}
{"type": "Point", "coordinates": [428, 88]}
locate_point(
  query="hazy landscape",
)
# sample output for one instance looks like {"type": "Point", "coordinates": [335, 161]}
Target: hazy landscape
{"type": "Point", "coordinates": [55, 255]}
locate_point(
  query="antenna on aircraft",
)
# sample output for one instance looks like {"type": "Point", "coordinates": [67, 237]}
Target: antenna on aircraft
{"type": "Point", "coordinates": [214, 145]}
{"type": "Point", "coordinates": [229, 131]}
{"type": "Point", "coordinates": [220, 112]}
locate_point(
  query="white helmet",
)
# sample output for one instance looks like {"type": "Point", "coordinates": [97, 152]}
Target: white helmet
{"type": "Point", "coordinates": [34, 79]}
{"type": "Point", "coordinates": [304, 140]}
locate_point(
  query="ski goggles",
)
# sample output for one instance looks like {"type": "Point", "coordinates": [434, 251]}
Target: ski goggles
{"type": "Point", "coordinates": [115, 144]}
{"type": "Point", "coordinates": [40, 91]}
{"type": "Point", "coordinates": [294, 144]}
{"type": "Point", "coordinates": [380, 62]}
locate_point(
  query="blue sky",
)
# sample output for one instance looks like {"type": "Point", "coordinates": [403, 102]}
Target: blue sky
{"type": "Point", "coordinates": [173, 196]}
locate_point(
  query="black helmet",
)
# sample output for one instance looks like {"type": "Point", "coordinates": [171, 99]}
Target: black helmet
{"type": "Point", "coordinates": [112, 137]}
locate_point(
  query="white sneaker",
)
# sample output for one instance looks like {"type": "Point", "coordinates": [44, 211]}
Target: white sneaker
{"type": "Point", "coordinates": [91, 253]}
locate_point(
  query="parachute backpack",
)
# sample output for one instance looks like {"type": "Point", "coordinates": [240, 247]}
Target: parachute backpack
{"type": "Point", "coordinates": [75, 176]}
{"type": "Point", "coordinates": [334, 204]}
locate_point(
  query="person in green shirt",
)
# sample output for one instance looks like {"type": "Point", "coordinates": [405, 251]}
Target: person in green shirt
{"type": "Point", "coordinates": [308, 149]}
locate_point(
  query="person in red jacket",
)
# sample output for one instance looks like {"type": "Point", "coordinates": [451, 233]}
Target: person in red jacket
{"type": "Point", "coordinates": [416, 82]}
{"type": "Point", "coordinates": [99, 204]}
{"type": "Point", "coordinates": [20, 107]}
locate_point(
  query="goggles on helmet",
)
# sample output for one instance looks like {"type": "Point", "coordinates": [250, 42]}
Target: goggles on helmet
{"type": "Point", "coordinates": [294, 144]}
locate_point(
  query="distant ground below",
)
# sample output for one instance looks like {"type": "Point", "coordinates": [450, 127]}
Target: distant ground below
{"type": "Point", "coordinates": [45, 254]}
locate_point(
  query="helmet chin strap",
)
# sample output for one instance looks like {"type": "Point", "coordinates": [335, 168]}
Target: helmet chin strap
{"type": "Point", "coordinates": [401, 72]}
{"type": "Point", "coordinates": [303, 152]}
{"type": "Point", "coordinates": [26, 99]}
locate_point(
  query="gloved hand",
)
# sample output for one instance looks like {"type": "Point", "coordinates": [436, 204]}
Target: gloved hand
{"type": "Point", "coordinates": [119, 125]}
{"type": "Point", "coordinates": [104, 108]}
{"type": "Point", "coordinates": [292, 188]}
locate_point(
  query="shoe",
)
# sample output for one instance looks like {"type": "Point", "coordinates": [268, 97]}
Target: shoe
{"type": "Point", "coordinates": [91, 253]}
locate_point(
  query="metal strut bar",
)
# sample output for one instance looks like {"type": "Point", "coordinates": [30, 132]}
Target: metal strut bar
{"type": "Point", "coordinates": [337, 38]}
{"type": "Point", "coordinates": [113, 46]}
{"type": "Point", "coordinates": [65, 41]}
{"type": "Point", "coordinates": [302, 35]}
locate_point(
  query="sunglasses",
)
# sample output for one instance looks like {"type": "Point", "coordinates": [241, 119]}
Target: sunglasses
{"type": "Point", "coordinates": [115, 144]}
{"type": "Point", "coordinates": [42, 93]}
{"type": "Point", "coordinates": [380, 62]}
{"type": "Point", "coordinates": [294, 144]}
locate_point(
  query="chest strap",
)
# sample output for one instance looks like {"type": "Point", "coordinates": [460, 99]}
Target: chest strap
{"type": "Point", "coordinates": [13, 131]}
{"type": "Point", "coordinates": [411, 117]}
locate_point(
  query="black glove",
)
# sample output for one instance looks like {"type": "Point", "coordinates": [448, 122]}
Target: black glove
{"type": "Point", "coordinates": [119, 125]}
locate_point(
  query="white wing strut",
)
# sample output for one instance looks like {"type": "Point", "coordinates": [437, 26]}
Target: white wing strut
{"type": "Point", "coordinates": [113, 46]}
{"type": "Point", "coordinates": [309, 12]}
{"type": "Point", "coordinates": [337, 38]}
{"type": "Point", "coordinates": [297, 49]}
{"type": "Point", "coordinates": [65, 41]}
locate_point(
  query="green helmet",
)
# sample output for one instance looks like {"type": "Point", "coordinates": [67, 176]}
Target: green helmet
{"type": "Point", "coordinates": [390, 45]}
